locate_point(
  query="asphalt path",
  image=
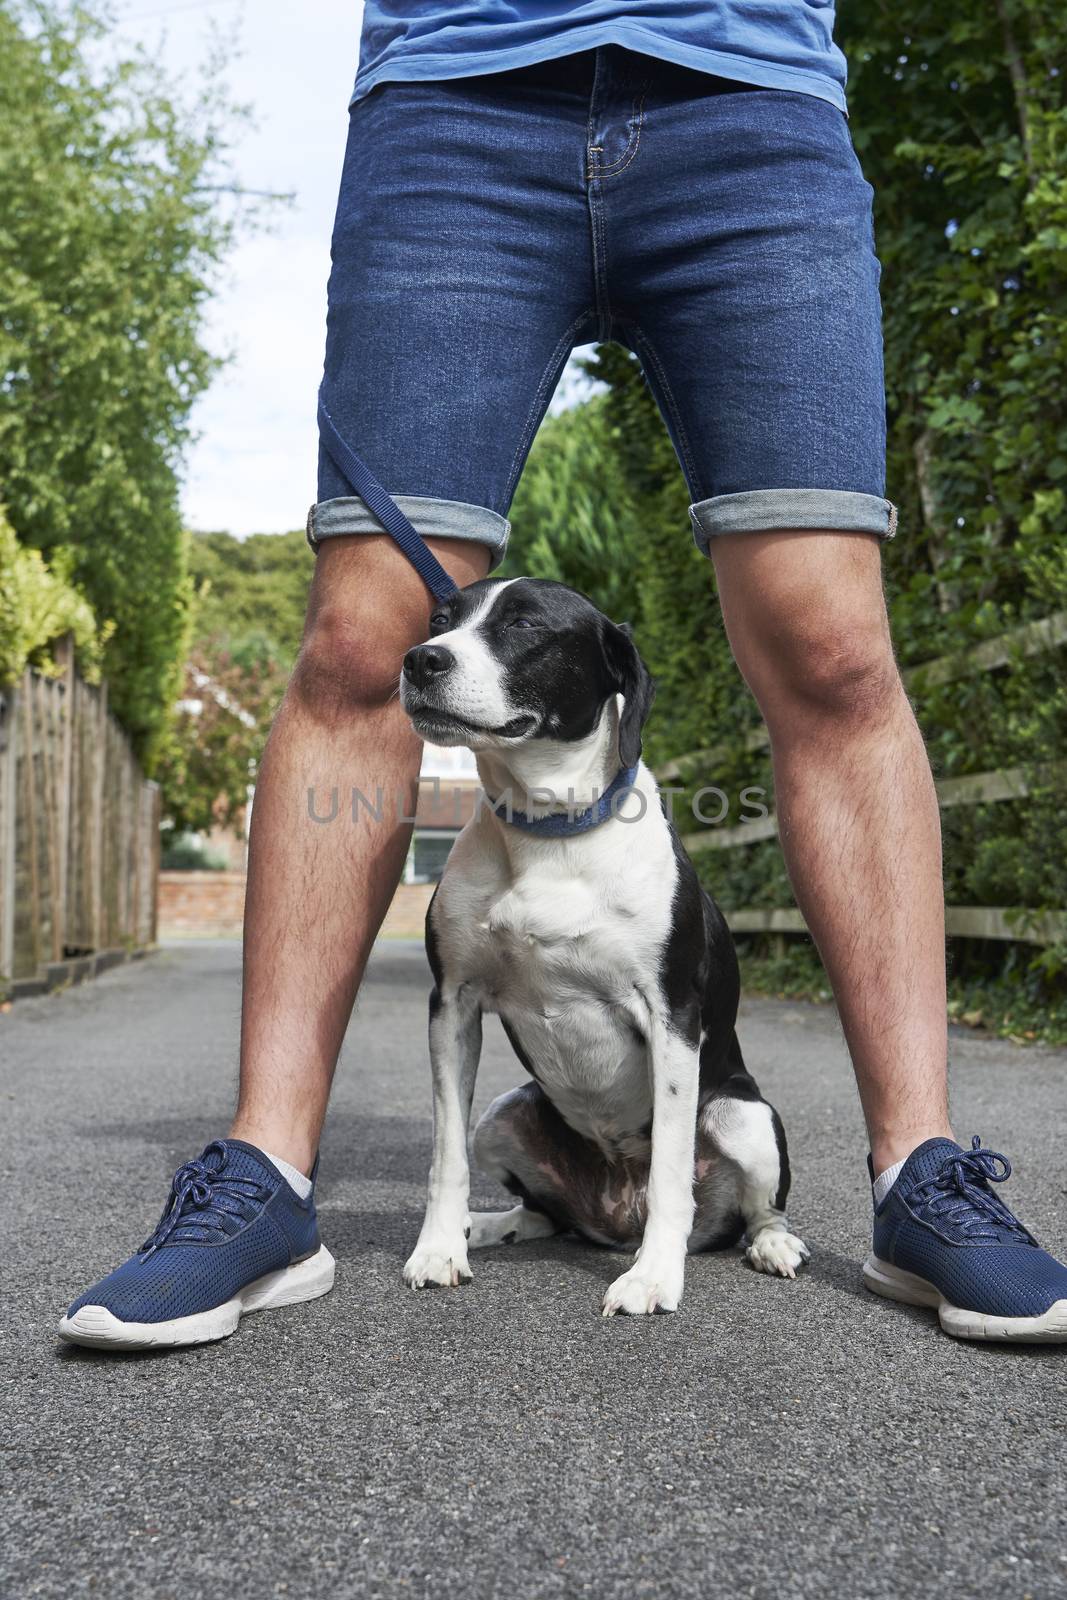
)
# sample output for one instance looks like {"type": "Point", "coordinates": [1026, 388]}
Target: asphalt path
{"type": "Point", "coordinates": [772, 1439]}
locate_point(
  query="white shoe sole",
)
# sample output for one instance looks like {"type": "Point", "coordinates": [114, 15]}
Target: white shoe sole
{"type": "Point", "coordinates": [893, 1283]}
{"type": "Point", "coordinates": [99, 1328]}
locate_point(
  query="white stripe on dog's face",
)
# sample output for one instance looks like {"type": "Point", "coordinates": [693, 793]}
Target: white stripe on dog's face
{"type": "Point", "coordinates": [468, 704]}
{"type": "Point", "coordinates": [476, 690]}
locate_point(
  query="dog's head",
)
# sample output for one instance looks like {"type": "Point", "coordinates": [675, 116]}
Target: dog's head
{"type": "Point", "coordinates": [514, 660]}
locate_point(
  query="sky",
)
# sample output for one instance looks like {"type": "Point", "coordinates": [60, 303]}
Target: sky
{"type": "Point", "coordinates": [252, 467]}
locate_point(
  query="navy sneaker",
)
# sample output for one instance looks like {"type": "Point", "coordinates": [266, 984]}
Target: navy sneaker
{"type": "Point", "coordinates": [233, 1237]}
{"type": "Point", "coordinates": [943, 1238]}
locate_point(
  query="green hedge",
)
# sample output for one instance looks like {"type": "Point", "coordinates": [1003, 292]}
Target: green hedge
{"type": "Point", "coordinates": [38, 607]}
{"type": "Point", "coordinates": [960, 122]}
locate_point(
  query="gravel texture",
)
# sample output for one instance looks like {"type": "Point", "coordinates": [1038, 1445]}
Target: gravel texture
{"type": "Point", "coordinates": [773, 1439]}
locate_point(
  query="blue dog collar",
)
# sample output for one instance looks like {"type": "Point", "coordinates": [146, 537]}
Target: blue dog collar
{"type": "Point", "coordinates": [565, 824]}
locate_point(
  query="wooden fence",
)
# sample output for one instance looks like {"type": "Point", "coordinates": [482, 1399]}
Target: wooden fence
{"type": "Point", "coordinates": [979, 788]}
{"type": "Point", "coordinates": [79, 836]}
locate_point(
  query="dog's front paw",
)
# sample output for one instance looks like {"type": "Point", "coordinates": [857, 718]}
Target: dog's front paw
{"type": "Point", "coordinates": [778, 1252]}
{"type": "Point", "coordinates": [442, 1264]}
{"type": "Point", "coordinates": [643, 1290]}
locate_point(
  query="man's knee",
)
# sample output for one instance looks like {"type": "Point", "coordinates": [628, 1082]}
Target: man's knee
{"type": "Point", "coordinates": [842, 671]}
{"type": "Point", "coordinates": [807, 620]}
{"type": "Point", "coordinates": [852, 673]}
{"type": "Point", "coordinates": [350, 661]}
{"type": "Point", "coordinates": [367, 607]}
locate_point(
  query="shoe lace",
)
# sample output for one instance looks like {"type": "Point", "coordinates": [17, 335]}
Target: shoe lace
{"type": "Point", "coordinates": [204, 1200]}
{"type": "Point", "coordinates": [959, 1193]}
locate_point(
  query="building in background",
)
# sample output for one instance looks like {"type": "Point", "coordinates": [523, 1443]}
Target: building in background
{"type": "Point", "coordinates": [448, 794]}
{"type": "Point", "coordinates": [202, 892]}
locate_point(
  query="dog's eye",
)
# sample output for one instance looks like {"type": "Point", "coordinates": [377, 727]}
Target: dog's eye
{"type": "Point", "coordinates": [521, 622]}
{"type": "Point", "coordinates": [440, 619]}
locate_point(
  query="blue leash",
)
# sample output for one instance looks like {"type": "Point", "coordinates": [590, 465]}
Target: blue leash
{"type": "Point", "coordinates": [564, 824]}
{"type": "Point", "coordinates": [557, 824]}
{"type": "Point", "coordinates": [362, 482]}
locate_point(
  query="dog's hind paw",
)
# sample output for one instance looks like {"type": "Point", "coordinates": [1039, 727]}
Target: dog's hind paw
{"type": "Point", "coordinates": [508, 1227]}
{"type": "Point", "coordinates": [777, 1252]}
{"type": "Point", "coordinates": [429, 1265]}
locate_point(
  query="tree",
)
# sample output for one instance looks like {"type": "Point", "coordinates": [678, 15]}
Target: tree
{"type": "Point", "coordinates": [219, 727]}
{"type": "Point", "coordinates": [109, 232]}
{"type": "Point", "coordinates": [573, 518]}
{"type": "Point", "coordinates": [251, 593]}
{"type": "Point", "coordinates": [246, 619]}
{"type": "Point", "coordinates": [959, 117]}
{"type": "Point", "coordinates": [961, 122]}
{"type": "Point", "coordinates": [38, 607]}
{"type": "Point", "coordinates": [700, 696]}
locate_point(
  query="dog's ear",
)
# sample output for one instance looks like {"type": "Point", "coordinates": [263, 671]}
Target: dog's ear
{"type": "Point", "coordinates": [634, 682]}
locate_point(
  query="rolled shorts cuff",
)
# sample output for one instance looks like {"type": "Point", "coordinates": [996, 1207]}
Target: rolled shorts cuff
{"type": "Point", "coordinates": [764, 510]}
{"type": "Point", "coordinates": [433, 519]}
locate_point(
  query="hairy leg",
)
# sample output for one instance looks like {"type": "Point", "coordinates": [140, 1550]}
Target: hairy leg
{"type": "Point", "coordinates": [857, 810]}
{"type": "Point", "coordinates": [317, 891]}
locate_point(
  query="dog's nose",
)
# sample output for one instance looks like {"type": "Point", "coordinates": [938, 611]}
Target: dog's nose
{"type": "Point", "coordinates": [427, 661]}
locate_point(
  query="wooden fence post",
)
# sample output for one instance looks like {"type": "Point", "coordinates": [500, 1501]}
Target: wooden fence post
{"type": "Point", "coordinates": [8, 752]}
{"type": "Point", "coordinates": [49, 735]}
{"type": "Point", "coordinates": [155, 852]}
{"type": "Point", "coordinates": [65, 658]}
{"type": "Point", "coordinates": [28, 798]}
{"type": "Point", "coordinates": [79, 826]}
{"type": "Point", "coordinates": [96, 820]}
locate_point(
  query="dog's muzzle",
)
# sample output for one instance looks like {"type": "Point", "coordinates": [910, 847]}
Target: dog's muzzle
{"type": "Point", "coordinates": [426, 662]}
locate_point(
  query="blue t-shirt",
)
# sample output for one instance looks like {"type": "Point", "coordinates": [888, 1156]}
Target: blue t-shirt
{"type": "Point", "coordinates": [778, 44]}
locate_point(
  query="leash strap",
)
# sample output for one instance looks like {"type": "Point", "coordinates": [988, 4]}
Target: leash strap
{"type": "Point", "coordinates": [564, 824]}
{"type": "Point", "coordinates": [363, 482]}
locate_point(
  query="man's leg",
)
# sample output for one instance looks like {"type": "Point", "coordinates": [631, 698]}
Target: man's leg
{"type": "Point", "coordinates": [750, 286]}
{"type": "Point", "coordinates": [462, 274]}
{"type": "Point", "coordinates": [859, 827]}
{"type": "Point", "coordinates": [760, 335]}
{"type": "Point", "coordinates": [857, 811]}
{"type": "Point", "coordinates": [317, 891]}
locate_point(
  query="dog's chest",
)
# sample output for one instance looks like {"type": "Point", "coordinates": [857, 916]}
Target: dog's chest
{"type": "Point", "coordinates": [544, 941]}
{"type": "Point", "coordinates": [569, 964]}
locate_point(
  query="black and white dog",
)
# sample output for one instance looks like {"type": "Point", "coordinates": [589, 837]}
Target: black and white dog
{"type": "Point", "coordinates": [572, 911]}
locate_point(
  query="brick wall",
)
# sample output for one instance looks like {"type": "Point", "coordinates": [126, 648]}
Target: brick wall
{"type": "Point", "coordinates": [212, 903]}
{"type": "Point", "coordinates": [200, 903]}
{"type": "Point", "coordinates": [406, 917]}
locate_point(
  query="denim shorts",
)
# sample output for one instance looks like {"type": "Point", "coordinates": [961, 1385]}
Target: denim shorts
{"type": "Point", "coordinates": [721, 232]}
